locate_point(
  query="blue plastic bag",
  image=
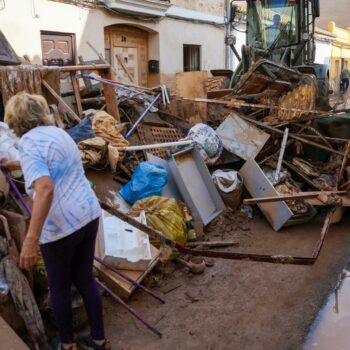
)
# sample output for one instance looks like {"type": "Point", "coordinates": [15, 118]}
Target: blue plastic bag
{"type": "Point", "coordinates": [148, 180]}
{"type": "Point", "coordinates": [82, 131]}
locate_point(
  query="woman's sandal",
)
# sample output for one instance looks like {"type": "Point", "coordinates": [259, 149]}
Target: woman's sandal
{"type": "Point", "coordinates": [89, 344]}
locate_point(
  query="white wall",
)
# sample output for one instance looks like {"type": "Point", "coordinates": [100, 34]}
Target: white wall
{"type": "Point", "coordinates": [240, 41]}
{"type": "Point", "coordinates": [21, 24]}
{"type": "Point", "coordinates": [323, 52]}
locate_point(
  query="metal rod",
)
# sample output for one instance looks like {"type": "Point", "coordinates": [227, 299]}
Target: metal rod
{"type": "Point", "coordinates": [276, 259]}
{"type": "Point", "coordinates": [238, 104]}
{"type": "Point", "coordinates": [18, 193]}
{"type": "Point", "coordinates": [139, 285]}
{"type": "Point", "coordinates": [130, 309]}
{"type": "Point", "coordinates": [156, 145]}
{"type": "Point", "coordinates": [138, 121]}
{"type": "Point", "coordinates": [107, 82]}
{"type": "Point", "coordinates": [280, 159]}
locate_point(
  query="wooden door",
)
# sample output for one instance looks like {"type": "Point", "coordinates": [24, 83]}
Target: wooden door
{"type": "Point", "coordinates": [129, 56]}
{"type": "Point", "coordinates": [58, 49]}
{"type": "Point", "coordinates": [132, 45]}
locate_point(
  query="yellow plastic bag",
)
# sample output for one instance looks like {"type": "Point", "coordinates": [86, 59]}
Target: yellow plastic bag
{"type": "Point", "coordinates": [163, 215]}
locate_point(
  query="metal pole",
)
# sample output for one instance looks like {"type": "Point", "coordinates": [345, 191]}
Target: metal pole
{"type": "Point", "coordinates": [280, 159]}
{"type": "Point", "coordinates": [130, 309]}
{"type": "Point", "coordinates": [156, 145]}
{"type": "Point", "coordinates": [138, 121]}
{"type": "Point", "coordinates": [18, 193]}
{"type": "Point", "coordinates": [228, 61]}
{"type": "Point", "coordinates": [146, 290]}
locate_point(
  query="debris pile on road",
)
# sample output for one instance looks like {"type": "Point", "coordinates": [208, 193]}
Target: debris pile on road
{"type": "Point", "coordinates": [186, 169]}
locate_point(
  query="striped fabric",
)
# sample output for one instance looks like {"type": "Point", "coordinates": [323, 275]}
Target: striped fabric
{"type": "Point", "coordinates": [50, 151]}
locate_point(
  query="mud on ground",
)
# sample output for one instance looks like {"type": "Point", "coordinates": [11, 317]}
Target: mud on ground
{"type": "Point", "coordinates": [237, 304]}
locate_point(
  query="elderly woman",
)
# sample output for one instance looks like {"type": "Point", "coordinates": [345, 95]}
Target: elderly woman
{"type": "Point", "coordinates": [65, 214]}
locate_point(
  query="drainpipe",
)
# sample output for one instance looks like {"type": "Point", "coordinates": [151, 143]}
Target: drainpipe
{"type": "Point", "coordinates": [229, 36]}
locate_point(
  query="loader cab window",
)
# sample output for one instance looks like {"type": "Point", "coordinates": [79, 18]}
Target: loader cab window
{"type": "Point", "coordinates": [273, 23]}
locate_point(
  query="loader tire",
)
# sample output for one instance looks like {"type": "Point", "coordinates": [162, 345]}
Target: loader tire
{"type": "Point", "coordinates": [322, 101]}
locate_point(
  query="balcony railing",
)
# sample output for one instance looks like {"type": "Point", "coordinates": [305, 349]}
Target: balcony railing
{"type": "Point", "coordinates": [82, 3]}
{"type": "Point", "coordinates": [156, 8]}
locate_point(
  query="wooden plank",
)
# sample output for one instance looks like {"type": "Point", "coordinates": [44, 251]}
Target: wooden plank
{"type": "Point", "coordinates": [292, 136]}
{"type": "Point", "coordinates": [125, 69]}
{"type": "Point", "coordinates": [302, 195]}
{"type": "Point", "coordinates": [85, 67]}
{"type": "Point", "coordinates": [9, 340]}
{"type": "Point", "coordinates": [317, 203]}
{"type": "Point", "coordinates": [76, 90]}
{"type": "Point", "coordinates": [110, 96]}
{"type": "Point", "coordinates": [60, 100]}
{"type": "Point", "coordinates": [121, 286]}
{"type": "Point", "coordinates": [219, 93]}
{"type": "Point", "coordinates": [87, 81]}
{"type": "Point", "coordinates": [193, 85]}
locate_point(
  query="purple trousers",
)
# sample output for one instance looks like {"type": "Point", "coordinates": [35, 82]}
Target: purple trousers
{"type": "Point", "coordinates": [70, 260]}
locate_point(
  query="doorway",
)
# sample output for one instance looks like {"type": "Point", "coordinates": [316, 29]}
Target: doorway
{"type": "Point", "coordinates": [127, 51]}
{"type": "Point", "coordinates": [58, 49]}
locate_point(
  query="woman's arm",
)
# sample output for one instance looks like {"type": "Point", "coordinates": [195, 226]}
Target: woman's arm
{"type": "Point", "coordinates": [44, 191]}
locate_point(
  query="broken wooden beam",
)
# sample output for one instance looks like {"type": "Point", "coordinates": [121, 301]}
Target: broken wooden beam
{"type": "Point", "coordinates": [302, 195]}
{"type": "Point", "coordinates": [76, 89]}
{"type": "Point", "coordinates": [302, 175]}
{"type": "Point", "coordinates": [216, 244]}
{"type": "Point", "coordinates": [61, 100]}
{"type": "Point", "coordinates": [84, 67]}
{"type": "Point", "coordinates": [292, 136]}
{"type": "Point", "coordinates": [120, 60]}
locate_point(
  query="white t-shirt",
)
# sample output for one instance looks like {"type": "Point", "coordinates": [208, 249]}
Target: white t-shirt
{"type": "Point", "coordinates": [50, 151]}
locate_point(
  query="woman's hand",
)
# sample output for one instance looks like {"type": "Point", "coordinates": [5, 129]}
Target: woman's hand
{"type": "Point", "coordinates": [29, 253]}
{"type": "Point", "coordinates": [11, 165]}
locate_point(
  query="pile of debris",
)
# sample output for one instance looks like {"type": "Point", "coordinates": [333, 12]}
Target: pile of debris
{"type": "Point", "coordinates": [184, 169]}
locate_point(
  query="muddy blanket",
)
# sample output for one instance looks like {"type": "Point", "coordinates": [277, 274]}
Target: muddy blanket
{"type": "Point", "coordinates": [14, 79]}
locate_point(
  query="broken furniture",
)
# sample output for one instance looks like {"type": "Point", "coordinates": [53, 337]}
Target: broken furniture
{"type": "Point", "coordinates": [278, 214]}
{"type": "Point", "coordinates": [123, 246]}
{"type": "Point", "coordinates": [194, 182]}
{"type": "Point", "coordinates": [170, 189]}
{"type": "Point", "coordinates": [241, 138]}
{"type": "Point", "coordinates": [114, 281]}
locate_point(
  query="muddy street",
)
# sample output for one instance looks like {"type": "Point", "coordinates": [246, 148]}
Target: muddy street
{"type": "Point", "coordinates": [238, 304]}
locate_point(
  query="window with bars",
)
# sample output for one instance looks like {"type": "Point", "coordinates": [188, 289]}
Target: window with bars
{"type": "Point", "coordinates": [192, 58]}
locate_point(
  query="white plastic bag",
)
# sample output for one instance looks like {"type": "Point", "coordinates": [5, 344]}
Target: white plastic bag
{"type": "Point", "coordinates": [8, 143]}
{"type": "Point", "coordinates": [227, 181]}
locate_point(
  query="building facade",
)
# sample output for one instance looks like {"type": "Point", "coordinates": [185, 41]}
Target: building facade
{"type": "Point", "coordinates": [340, 56]}
{"type": "Point", "coordinates": [153, 39]}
